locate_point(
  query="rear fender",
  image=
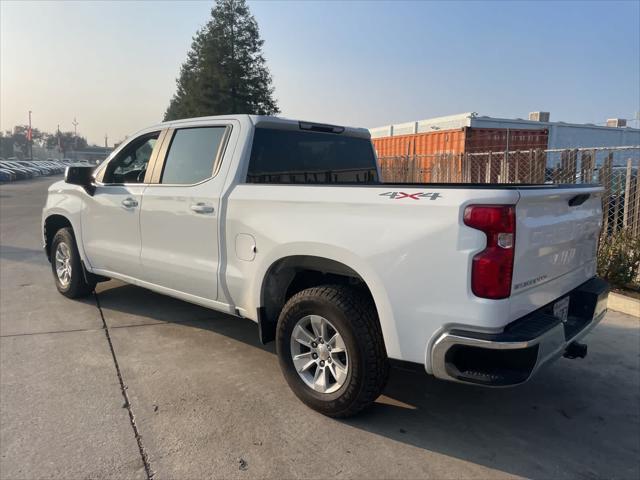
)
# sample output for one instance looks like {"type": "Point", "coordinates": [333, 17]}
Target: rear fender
{"type": "Point", "coordinates": [340, 255]}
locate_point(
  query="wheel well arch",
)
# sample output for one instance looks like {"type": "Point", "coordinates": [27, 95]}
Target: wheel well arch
{"type": "Point", "coordinates": [290, 275]}
{"type": "Point", "coordinates": [52, 224]}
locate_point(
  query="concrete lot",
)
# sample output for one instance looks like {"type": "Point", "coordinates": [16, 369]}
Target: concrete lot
{"type": "Point", "coordinates": [209, 401]}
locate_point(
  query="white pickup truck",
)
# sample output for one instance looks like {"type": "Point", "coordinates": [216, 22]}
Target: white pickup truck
{"type": "Point", "coordinates": [287, 223]}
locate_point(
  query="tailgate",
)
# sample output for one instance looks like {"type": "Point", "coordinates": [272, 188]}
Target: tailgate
{"type": "Point", "coordinates": [557, 233]}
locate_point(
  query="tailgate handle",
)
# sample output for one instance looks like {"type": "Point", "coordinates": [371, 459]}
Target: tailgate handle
{"type": "Point", "coordinates": [578, 199]}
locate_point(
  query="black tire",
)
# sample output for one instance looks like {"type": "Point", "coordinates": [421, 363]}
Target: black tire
{"type": "Point", "coordinates": [77, 286]}
{"type": "Point", "coordinates": [355, 317]}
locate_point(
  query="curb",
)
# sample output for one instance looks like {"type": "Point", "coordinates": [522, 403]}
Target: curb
{"type": "Point", "coordinates": [621, 303]}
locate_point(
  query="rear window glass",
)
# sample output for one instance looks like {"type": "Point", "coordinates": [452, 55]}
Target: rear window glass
{"type": "Point", "coordinates": [192, 155]}
{"type": "Point", "coordinates": [299, 157]}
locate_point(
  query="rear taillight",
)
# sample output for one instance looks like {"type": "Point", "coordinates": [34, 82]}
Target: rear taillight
{"type": "Point", "coordinates": [492, 268]}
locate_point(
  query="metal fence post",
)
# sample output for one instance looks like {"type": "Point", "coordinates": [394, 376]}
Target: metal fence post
{"type": "Point", "coordinates": [586, 166]}
{"type": "Point", "coordinates": [627, 195]}
{"type": "Point", "coordinates": [573, 165]}
{"type": "Point", "coordinates": [604, 175]}
{"type": "Point", "coordinates": [636, 209]}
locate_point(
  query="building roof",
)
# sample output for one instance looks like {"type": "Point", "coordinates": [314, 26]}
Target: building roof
{"type": "Point", "coordinates": [472, 119]}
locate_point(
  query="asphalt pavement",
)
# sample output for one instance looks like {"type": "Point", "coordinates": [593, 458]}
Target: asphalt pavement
{"type": "Point", "coordinates": [131, 384]}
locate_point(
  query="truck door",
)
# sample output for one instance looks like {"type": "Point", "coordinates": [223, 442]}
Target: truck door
{"type": "Point", "coordinates": [180, 212]}
{"type": "Point", "coordinates": [111, 216]}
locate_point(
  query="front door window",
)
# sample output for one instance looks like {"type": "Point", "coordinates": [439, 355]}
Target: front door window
{"type": "Point", "coordinates": [130, 166]}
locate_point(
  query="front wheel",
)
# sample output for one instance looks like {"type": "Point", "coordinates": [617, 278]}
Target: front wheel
{"type": "Point", "coordinates": [331, 349]}
{"type": "Point", "coordinates": [67, 267]}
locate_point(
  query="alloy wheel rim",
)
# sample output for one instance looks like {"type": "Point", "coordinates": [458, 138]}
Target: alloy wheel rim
{"type": "Point", "coordinates": [63, 264]}
{"type": "Point", "coordinates": [319, 354]}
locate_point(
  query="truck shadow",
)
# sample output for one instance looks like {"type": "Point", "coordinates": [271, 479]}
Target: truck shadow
{"type": "Point", "coordinates": [577, 418]}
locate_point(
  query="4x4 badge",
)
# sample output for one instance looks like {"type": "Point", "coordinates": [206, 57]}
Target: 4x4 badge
{"type": "Point", "coordinates": [413, 196]}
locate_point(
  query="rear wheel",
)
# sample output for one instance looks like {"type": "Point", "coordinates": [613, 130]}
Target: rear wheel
{"type": "Point", "coordinates": [66, 266]}
{"type": "Point", "coordinates": [331, 349]}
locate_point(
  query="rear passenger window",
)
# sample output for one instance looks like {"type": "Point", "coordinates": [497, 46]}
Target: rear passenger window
{"type": "Point", "coordinates": [192, 155]}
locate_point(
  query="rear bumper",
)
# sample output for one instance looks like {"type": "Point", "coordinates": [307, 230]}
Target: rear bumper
{"type": "Point", "coordinates": [512, 356]}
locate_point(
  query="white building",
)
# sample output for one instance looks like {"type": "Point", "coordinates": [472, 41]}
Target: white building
{"type": "Point", "coordinates": [561, 134]}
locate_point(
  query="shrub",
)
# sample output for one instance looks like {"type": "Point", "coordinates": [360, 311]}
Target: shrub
{"type": "Point", "coordinates": [619, 258]}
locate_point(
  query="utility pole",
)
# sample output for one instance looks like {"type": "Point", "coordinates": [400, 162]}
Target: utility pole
{"type": "Point", "coordinates": [60, 143]}
{"type": "Point", "coordinates": [75, 133]}
{"type": "Point", "coordinates": [106, 143]}
{"type": "Point", "coordinates": [30, 138]}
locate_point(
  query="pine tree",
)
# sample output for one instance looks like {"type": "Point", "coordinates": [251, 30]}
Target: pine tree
{"type": "Point", "coordinates": [225, 71]}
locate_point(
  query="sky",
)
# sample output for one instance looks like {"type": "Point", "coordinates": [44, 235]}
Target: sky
{"type": "Point", "coordinates": [113, 65]}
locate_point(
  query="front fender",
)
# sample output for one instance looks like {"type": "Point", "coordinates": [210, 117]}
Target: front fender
{"type": "Point", "coordinates": [66, 200]}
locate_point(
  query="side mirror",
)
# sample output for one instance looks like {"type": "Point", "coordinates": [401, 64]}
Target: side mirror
{"type": "Point", "coordinates": [82, 176]}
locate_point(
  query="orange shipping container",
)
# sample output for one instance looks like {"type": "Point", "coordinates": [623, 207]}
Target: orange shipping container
{"type": "Point", "coordinates": [464, 140]}
{"type": "Point", "coordinates": [439, 156]}
{"type": "Point", "coordinates": [497, 139]}
{"type": "Point", "coordinates": [447, 141]}
{"type": "Point", "coordinates": [422, 148]}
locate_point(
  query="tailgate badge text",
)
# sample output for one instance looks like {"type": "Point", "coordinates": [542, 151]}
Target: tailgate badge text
{"type": "Point", "coordinates": [412, 196]}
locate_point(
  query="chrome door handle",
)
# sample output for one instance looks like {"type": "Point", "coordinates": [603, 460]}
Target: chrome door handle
{"type": "Point", "coordinates": [129, 203]}
{"type": "Point", "coordinates": [202, 208]}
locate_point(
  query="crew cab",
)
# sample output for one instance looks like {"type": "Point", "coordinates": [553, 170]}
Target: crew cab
{"type": "Point", "coordinates": [287, 223]}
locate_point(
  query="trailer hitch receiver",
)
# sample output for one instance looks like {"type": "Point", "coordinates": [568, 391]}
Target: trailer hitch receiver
{"type": "Point", "coordinates": [575, 350]}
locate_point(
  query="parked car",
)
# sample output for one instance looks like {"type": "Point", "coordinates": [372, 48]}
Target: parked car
{"type": "Point", "coordinates": [56, 166]}
{"type": "Point", "coordinates": [6, 175]}
{"type": "Point", "coordinates": [30, 168]}
{"type": "Point", "coordinates": [39, 169]}
{"type": "Point", "coordinates": [56, 162]}
{"type": "Point", "coordinates": [53, 169]}
{"type": "Point", "coordinates": [287, 223]}
{"type": "Point", "coordinates": [48, 169]}
{"type": "Point", "coordinates": [21, 172]}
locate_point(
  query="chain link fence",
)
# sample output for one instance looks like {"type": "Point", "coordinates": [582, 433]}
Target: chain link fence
{"type": "Point", "coordinates": [615, 168]}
